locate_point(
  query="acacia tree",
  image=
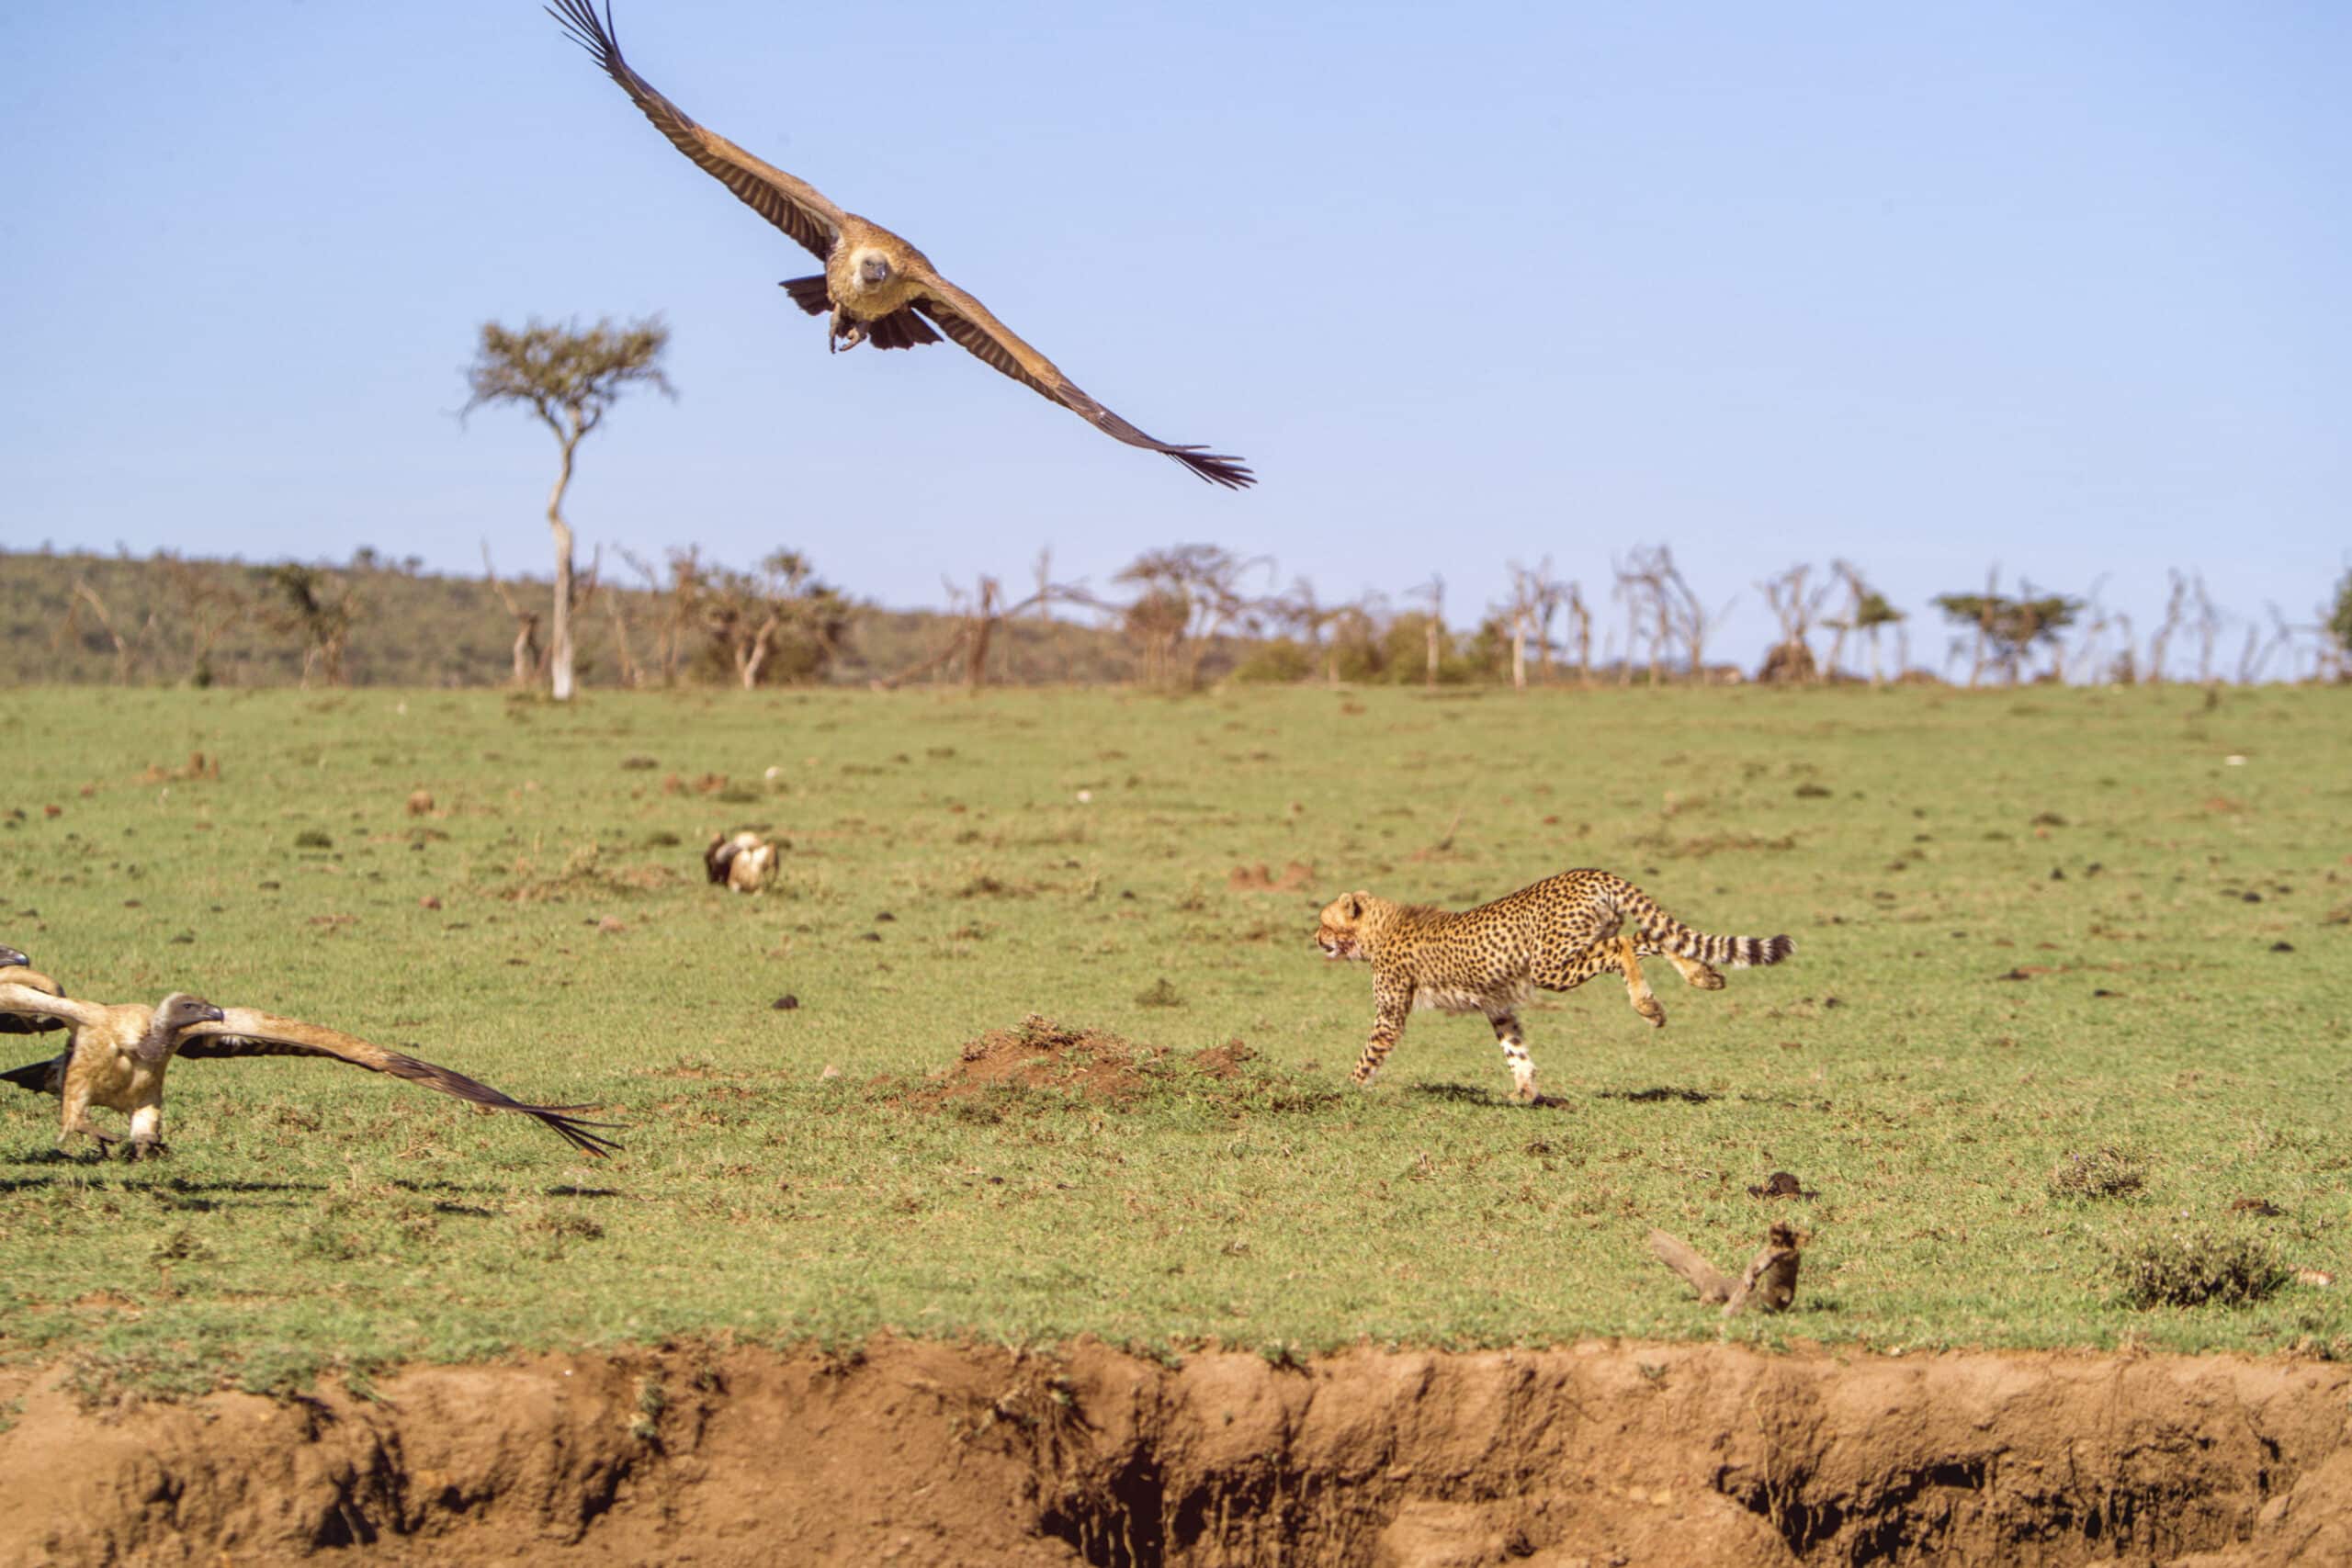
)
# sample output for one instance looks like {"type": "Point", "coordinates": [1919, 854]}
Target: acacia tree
{"type": "Point", "coordinates": [2012, 627]}
{"type": "Point", "coordinates": [1867, 611]}
{"type": "Point", "coordinates": [569, 379]}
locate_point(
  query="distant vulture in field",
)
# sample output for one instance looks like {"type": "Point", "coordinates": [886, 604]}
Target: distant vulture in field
{"type": "Point", "coordinates": [876, 286]}
{"type": "Point", "coordinates": [743, 860]}
{"type": "Point", "coordinates": [119, 1054]}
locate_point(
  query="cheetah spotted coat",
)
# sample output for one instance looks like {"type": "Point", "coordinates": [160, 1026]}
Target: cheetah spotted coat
{"type": "Point", "coordinates": [1555, 934]}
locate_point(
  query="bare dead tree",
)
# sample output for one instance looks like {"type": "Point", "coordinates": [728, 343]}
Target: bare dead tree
{"type": "Point", "coordinates": [1796, 604]}
{"type": "Point", "coordinates": [1188, 596]}
{"type": "Point", "coordinates": [2125, 669]}
{"type": "Point", "coordinates": [83, 595]}
{"type": "Point", "coordinates": [1632, 592]}
{"type": "Point", "coordinates": [529, 658]}
{"type": "Point", "coordinates": [1432, 592]}
{"type": "Point", "coordinates": [1686, 614]}
{"type": "Point", "coordinates": [1529, 592]}
{"type": "Point", "coordinates": [2160, 643]}
{"type": "Point", "coordinates": [1581, 632]}
{"type": "Point", "coordinates": [616, 611]}
{"type": "Point", "coordinates": [2208, 627]}
{"type": "Point", "coordinates": [209, 605]}
{"type": "Point", "coordinates": [2087, 660]}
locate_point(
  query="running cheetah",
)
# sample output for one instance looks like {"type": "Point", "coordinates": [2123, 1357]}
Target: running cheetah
{"type": "Point", "coordinates": [1557, 934]}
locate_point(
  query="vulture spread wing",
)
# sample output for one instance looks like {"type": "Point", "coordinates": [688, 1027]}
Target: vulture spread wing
{"type": "Point", "coordinates": [971, 324]}
{"type": "Point", "coordinates": [244, 1031]}
{"type": "Point", "coordinates": [18, 978]}
{"type": "Point", "coordinates": [30, 1003]}
{"type": "Point", "coordinates": [792, 205]}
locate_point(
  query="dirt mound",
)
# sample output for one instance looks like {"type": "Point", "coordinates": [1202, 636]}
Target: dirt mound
{"type": "Point", "coordinates": [1041, 1053]}
{"type": "Point", "coordinates": [919, 1453]}
{"type": "Point", "coordinates": [1100, 1068]}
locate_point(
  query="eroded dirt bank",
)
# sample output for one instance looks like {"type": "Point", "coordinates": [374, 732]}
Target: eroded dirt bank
{"type": "Point", "coordinates": [925, 1453]}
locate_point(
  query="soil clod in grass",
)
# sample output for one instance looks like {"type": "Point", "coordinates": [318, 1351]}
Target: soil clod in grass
{"type": "Point", "coordinates": [1159, 994]}
{"type": "Point", "coordinates": [1654, 1096]}
{"type": "Point", "coordinates": [2102, 1173]}
{"type": "Point", "coordinates": [785, 1003]}
{"type": "Point", "coordinates": [2262, 1207]}
{"type": "Point", "coordinates": [1258, 879]}
{"type": "Point", "coordinates": [1783, 1184]}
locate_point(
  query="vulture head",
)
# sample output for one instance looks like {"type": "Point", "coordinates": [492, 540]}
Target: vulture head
{"type": "Point", "coordinates": [873, 269]}
{"type": "Point", "coordinates": [10, 958]}
{"type": "Point", "coordinates": [180, 1009]}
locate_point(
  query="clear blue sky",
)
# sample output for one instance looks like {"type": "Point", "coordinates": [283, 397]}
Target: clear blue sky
{"type": "Point", "coordinates": [2063, 286]}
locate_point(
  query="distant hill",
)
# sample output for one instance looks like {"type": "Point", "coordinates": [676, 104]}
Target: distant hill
{"type": "Point", "coordinates": [160, 620]}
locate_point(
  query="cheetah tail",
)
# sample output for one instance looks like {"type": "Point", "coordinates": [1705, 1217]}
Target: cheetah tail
{"type": "Point", "coordinates": [1728, 951]}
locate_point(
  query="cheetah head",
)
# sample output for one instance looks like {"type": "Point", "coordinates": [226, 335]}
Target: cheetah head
{"type": "Point", "coordinates": [1340, 931]}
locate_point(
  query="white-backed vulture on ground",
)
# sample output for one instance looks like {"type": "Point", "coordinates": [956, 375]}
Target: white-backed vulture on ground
{"type": "Point", "coordinates": [118, 1056]}
{"type": "Point", "coordinates": [742, 861]}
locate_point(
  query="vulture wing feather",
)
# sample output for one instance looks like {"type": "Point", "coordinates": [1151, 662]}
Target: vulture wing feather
{"type": "Point", "coordinates": [244, 1031]}
{"type": "Point", "coordinates": [977, 330]}
{"type": "Point", "coordinates": [792, 205]}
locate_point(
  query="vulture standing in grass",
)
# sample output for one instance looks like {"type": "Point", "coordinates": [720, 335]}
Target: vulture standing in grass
{"type": "Point", "coordinates": [119, 1054]}
{"type": "Point", "coordinates": [876, 287]}
{"type": "Point", "coordinates": [743, 861]}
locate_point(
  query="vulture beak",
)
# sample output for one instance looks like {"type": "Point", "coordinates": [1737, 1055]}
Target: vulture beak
{"type": "Point", "coordinates": [213, 1015]}
{"type": "Point", "coordinates": [11, 958]}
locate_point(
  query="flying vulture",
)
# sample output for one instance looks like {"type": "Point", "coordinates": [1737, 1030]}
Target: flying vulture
{"type": "Point", "coordinates": [118, 1056]}
{"type": "Point", "coordinates": [743, 861]}
{"type": "Point", "coordinates": [877, 288]}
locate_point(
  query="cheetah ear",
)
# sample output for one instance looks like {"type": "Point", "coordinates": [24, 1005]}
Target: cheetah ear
{"type": "Point", "coordinates": [1355, 905]}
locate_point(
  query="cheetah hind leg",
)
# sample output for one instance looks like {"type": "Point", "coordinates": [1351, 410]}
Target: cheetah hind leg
{"type": "Point", "coordinates": [1637, 990]}
{"type": "Point", "coordinates": [1695, 973]}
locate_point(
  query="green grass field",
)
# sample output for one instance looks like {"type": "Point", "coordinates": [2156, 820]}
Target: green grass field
{"type": "Point", "coordinates": [2176, 925]}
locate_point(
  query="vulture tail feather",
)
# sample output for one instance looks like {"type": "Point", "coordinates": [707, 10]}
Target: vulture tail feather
{"type": "Point", "coordinates": [809, 294]}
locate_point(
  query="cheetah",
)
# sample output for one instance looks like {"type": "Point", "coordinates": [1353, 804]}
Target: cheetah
{"type": "Point", "coordinates": [1555, 934]}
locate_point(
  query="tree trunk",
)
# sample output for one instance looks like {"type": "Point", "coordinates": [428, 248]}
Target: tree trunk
{"type": "Point", "coordinates": [754, 657]}
{"type": "Point", "coordinates": [560, 630]}
{"type": "Point", "coordinates": [1518, 651]}
{"type": "Point", "coordinates": [526, 653]}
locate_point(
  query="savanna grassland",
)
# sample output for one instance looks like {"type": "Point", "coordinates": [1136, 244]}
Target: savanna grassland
{"type": "Point", "coordinates": [2029, 926]}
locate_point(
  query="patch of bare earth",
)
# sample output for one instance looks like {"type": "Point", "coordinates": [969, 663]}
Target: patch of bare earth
{"type": "Point", "coordinates": [928, 1453]}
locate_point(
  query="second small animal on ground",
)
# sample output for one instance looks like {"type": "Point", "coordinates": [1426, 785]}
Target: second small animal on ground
{"type": "Point", "coordinates": [1555, 934]}
{"type": "Point", "coordinates": [742, 861]}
